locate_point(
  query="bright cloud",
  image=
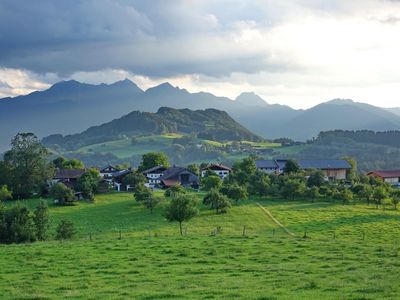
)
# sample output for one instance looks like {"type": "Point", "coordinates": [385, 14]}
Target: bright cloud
{"type": "Point", "coordinates": [295, 52]}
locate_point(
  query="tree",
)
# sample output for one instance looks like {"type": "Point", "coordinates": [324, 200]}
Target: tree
{"type": "Point", "coordinates": [379, 194]}
{"type": "Point", "coordinates": [364, 191]}
{"type": "Point", "coordinates": [234, 192]}
{"type": "Point", "coordinates": [17, 225]}
{"type": "Point", "coordinates": [27, 160]}
{"type": "Point", "coordinates": [395, 197]}
{"type": "Point", "coordinates": [153, 159]}
{"type": "Point", "coordinates": [346, 195]}
{"type": "Point", "coordinates": [395, 201]}
{"type": "Point", "coordinates": [174, 190]}
{"type": "Point", "coordinates": [291, 166]}
{"type": "Point", "coordinates": [71, 164]}
{"type": "Point", "coordinates": [243, 170]}
{"type": "Point", "coordinates": [88, 183]}
{"type": "Point", "coordinates": [134, 180]}
{"type": "Point", "coordinates": [211, 182]}
{"type": "Point", "coordinates": [313, 193]}
{"type": "Point", "coordinates": [292, 188]}
{"type": "Point", "coordinates": [316, 178]}
{"type": "Point", "coordinates": [218, 201]}
{"type": "Point", "coordinates": [63, 194]}
{"type": "Point", "coordinates": [151, 202]}
{"type": "Point", "coordinates": [194, 168]}
{"type": "Point", "coordinates": [181, 208]}
{"type": "Point", "coordinates": [41, 220]}
{"type": "Point", "coordinates": [5, 194]}
{"type": "Point", "coordinates": [142, 193]}
{"type": "Point", "coordinates": [352, 173]}
{"type": "Point", "coordinates": [260, 185]}
{"type": "Point", "coordinates": [65, 230]}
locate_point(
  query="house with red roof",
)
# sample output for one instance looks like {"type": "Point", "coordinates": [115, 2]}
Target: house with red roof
{"type": "Point", "coordinates": [391, 177]}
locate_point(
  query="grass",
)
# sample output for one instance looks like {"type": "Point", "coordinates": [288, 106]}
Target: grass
{"type": "Point", "coordinates": [151, 260]}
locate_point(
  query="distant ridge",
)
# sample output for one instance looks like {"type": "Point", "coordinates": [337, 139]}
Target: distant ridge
{"type": "Point", "coordinates": [210, 124]}
{"type": "Point", "coordinates": [70, 107]}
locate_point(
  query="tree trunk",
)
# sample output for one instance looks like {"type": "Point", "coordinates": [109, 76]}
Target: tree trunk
{"type": "Point", "coordinates": [180, 227]}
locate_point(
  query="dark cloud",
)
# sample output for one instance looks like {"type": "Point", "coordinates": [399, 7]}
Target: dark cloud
{"type": "Point", "coordinates": [154, 38]}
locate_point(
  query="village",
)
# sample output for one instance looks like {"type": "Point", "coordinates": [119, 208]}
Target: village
{"type": "Point", "coordinates": [161, 177]}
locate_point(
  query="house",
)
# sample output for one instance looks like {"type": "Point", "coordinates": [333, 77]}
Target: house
{"type": "Point", "coordinates": [107, 172]}
{"type": "Point", "coordinates": [179, 175]}
{"type": "Point", "coordinates": [117, 180]}
{"type": "Point", "coordinates": [333, 169]}
{"type": "Point", "coordinates": [67, 176]}
{"type": "Point", "coordinates": [270, 166]}
{"type": "Point", "coordinates": [219, 169]}
{"type": "Point", "coordinates": [114, 177]}
{"type": "Point", "coordinates": [153, 175]}
{"type": "Point", "coordinates": [391, 177]}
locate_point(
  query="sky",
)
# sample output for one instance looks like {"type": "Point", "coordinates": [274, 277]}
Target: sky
{"type": "Point", "coordinates": [294, 52]}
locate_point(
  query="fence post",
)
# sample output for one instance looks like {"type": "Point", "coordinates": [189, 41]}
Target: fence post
{"type": "Point", "coordinates": [244, 230]}
{"type": "Point", "coordinates": [120, 234]}
{"type": "Point", "coordinates": [90, 236]}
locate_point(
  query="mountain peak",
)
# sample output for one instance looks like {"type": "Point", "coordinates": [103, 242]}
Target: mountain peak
{"type": "Point", "coordinates": [340, 101]}
{"type": "Point", "coordinates": [125, 83]}
{"type": "Point", "coordinates": [251, 99]}
{"type": "Point", "coordinates": [65, 84]}
{"type": "Point", "coordinates": [166, 85]}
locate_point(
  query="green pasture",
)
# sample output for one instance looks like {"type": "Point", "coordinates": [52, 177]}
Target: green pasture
{"type": "Point", "coordinates": [350, 252]}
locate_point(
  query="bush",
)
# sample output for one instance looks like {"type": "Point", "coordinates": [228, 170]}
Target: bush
{"type": "Point", "coordinates": [16, 225]}
{"type": "Point", "coordinates": [174, 190]}
{"type": "Point", "coordinates": [65, 230]}
{"type": "Point", "coordinates": [41, 220]}
{"type": "Point", "coordinates": [5, 194]}
{"type": "Point", "coordinates": [63, 194]}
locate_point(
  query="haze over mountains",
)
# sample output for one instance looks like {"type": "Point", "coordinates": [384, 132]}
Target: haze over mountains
{"type": "Point", "coordinates": [69, 107]}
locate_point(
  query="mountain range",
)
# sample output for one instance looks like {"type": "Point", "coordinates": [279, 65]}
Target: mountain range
{"type": "Point", "coordinates": [70, 107]}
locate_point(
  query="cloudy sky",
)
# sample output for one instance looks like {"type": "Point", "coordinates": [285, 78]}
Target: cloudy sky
{"type": "Point", "coordinates": [295, 52]}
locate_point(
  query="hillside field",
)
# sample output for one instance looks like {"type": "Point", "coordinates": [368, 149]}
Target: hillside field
{"type": "Point", "coordinates": [351, 252]}
{"type": "Point", "coordinates": [124, 149]}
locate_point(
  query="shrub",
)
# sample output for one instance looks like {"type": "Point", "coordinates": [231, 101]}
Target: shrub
{"type": "Point", "coordinates": [41, 220]}
{"type": "Point", "coordinates": [63, 194]}
{"type": "Point", "coordinates": [16, 225]}
{"type": "Point", "coordinates": [65, 230]}
{"type": "Point", "coordinates": [174, 190]}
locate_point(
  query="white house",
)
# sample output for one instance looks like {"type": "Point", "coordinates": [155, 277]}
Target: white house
{"type": "Point", "coordinates": [219, 169]}
{"type": "Point", "coordinates": [153, 175]}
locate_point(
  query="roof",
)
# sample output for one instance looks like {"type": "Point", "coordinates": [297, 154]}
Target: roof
{"type": "Point", "coordinates": [69, 173]}
{"type": "Point", "coordinates": [107, 167]}
{"type": "Point", "coordinates": [324, 164]}
{"type": "Point", "coordinates": [173, 173]}
{"type": "Point", "coordinates": [266, 164]}
{"type": "Point", "coordinates": [170, 182]}
{"type": "Point", "coordinates": [321, 164]}
{"type": "Point", "coordinates": [120, 173]}
{"type": "Point", "coordinates": [154, 169]}
{"type": "Point", "coordinates": [217, 167]}
{"type": "Point", "coordinates": [386, 174]}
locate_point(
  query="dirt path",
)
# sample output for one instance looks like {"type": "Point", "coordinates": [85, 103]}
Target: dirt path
{"type": "Point", "coordinates": [268, 213]}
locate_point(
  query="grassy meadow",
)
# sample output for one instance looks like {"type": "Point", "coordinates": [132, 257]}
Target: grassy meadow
{"type": "Point", "coordinates": [351, 252]}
